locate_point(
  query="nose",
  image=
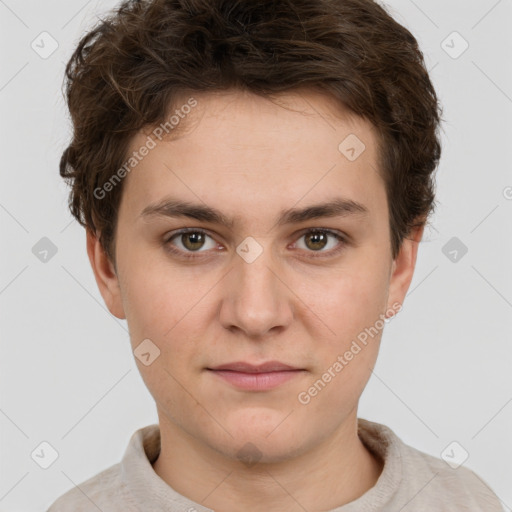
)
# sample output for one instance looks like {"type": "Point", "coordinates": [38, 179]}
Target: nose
{"type": "Point", "coordinates": [256, 299]}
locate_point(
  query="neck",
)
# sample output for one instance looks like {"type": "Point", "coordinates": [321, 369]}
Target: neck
{"type": "Point", "coordinates": [336, 472]}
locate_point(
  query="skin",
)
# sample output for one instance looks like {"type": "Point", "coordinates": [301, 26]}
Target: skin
{"type": "Point", "coordinates": [250, 158]}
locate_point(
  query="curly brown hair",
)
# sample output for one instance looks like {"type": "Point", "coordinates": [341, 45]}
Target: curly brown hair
{"type": "Point", "coordinates": [128, 71]}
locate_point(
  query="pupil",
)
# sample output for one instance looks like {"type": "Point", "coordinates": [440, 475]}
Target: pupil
{"type": "Point", "coordinates": [196, 240]}
{"type": "Point", "coordinates": [316, 237]}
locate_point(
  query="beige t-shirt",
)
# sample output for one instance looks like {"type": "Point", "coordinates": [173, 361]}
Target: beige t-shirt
{"type": "Point", "coordinates": [411, 481]}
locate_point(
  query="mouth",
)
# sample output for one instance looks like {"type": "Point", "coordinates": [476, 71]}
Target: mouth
{"type": "Point", "coordinates": [251, 377]}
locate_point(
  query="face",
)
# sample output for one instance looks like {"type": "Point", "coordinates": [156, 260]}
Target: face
{"type": "Point", "coordinates": [286, 258]}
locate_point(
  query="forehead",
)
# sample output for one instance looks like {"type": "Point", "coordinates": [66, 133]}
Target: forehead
{"type": "Point", "coordinates": [235, 150]}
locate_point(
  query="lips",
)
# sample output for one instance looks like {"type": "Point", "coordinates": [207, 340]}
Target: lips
{"type": "Point", "coordinates": [243, 367]}
{"type": "Point", "coordinates": [256, 377]}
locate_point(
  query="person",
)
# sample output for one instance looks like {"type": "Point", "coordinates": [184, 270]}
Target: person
{"type": "Point", "coordinates": [255, 178]}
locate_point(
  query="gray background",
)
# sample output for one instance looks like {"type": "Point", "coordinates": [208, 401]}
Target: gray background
{"type": "Point", "coordinates": [67, 374]}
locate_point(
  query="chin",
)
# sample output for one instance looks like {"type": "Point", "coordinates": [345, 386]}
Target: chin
{"type": "Point", "coordinates": [262, 442]}
{"type": "Point", "coordinates": [253, 453]}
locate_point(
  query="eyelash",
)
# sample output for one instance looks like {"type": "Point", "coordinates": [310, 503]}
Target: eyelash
{"type": "Point", "coordinates": [194, 255]}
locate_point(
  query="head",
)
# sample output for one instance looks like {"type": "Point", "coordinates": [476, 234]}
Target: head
{"type": "Point", "coordinates": [297, 143]}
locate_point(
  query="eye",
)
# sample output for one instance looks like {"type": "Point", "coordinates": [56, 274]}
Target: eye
{"type": "Point", "coordinates": [190, 240]}
{"type": "Point", "coordinates": [316, 240]}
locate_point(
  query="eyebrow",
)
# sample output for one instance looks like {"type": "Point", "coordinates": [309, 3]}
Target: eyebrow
{"type": "Point", "coordinates": [337, 207]}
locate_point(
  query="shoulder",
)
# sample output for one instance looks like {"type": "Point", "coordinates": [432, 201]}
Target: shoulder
{"type": "Point", "coordinates": [113, 488]}
{"type": "Point", "coordinates": [97, 493]}
{"type": "Point", "coordinates": [427, 482]}
{"type": "Point", "coordinates": [455, 488]}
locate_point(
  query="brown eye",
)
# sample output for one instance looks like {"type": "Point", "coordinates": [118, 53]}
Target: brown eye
{"type": "Point", "coordinates": [193, 241]}
{"type": "Point", "coordinates": [322, 241]}
{"type": "Point", "coordinates": [316, 241]}
{"type": "Point", "coordinates": [190, 241]}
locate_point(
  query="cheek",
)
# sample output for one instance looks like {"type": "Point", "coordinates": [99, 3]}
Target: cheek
{"type": "Point", "coordinates": [346, 301]}
{"type": "Point", "coordinates": [155, 301]}
{"type": "Point", "coordinates": [169, 312]}
{"type": "Point", "coordinates": [349, 306]}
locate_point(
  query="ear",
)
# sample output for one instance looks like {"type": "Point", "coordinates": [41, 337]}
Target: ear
{"type": "Point", "coordinates": [403, 267]}
{"type": "Point", "coordinates": [105, 274]}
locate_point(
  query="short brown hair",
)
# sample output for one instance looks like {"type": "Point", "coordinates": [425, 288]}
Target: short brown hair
{"type": "Point", "coordinates": [127, 72]}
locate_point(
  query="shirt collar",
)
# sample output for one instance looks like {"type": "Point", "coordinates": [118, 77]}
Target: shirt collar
{"type": "Point", "coordinates": [152, 494]}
